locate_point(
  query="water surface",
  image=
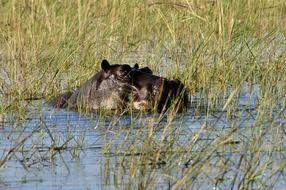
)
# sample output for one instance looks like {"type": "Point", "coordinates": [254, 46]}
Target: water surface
{"type": "Point", "coordinates": [88, 157]}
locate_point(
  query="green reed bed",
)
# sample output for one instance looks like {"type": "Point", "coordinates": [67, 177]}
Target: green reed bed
{"type": "Point", "coordinates": [215, 47]}
{"type": "Point", "coordinates": [242, 153]}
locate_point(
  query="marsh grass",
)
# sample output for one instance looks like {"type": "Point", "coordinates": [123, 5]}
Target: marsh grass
{"type": "Point", "coordinates": [214, 47]}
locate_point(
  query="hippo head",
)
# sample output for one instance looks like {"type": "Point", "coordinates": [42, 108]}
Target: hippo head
{"type": "Point", "coordinates": [143, 69]}
{"type": "Point", "coordinates": [121, 72]}
{"type": "Point", "coordinates": [116, 71]}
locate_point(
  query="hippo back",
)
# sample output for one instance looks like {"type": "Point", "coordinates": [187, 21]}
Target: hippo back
{"type": "Point", "coordinates": [109, 95]}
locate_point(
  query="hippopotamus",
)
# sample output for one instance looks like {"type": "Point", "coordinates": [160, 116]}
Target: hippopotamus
{"type": "Point", "coordinates": [158, 93]}
{"type": "Point", "coordinates": [116, 86]}
{"type": "Point", "coordinates": [109, 89]}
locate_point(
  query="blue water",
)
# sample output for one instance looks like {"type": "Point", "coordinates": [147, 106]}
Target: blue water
{"type": "Point", "coordinates": [83, 162]}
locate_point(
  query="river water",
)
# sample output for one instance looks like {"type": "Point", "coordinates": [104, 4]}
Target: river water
{"type": "Point", "coordinates": [82, 159]}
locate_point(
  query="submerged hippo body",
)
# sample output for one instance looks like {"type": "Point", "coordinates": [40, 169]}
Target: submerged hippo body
{"type": "Point", "coordinates": [110, 95]}
{"type": "Point", "coordinates": [109, 89]}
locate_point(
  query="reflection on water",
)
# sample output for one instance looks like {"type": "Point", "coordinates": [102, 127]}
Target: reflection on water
{"type": "Point", "coordinates": [79, 143]}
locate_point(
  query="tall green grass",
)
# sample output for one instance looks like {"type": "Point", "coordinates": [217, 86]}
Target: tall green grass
{"type": "Point", "coordinates": [50, 46]}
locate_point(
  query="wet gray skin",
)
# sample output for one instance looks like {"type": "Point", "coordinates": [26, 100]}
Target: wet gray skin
{"type": "Point", "coordinates": [111, 95]}
{"type": "Point", "coordinates": [109, 89]}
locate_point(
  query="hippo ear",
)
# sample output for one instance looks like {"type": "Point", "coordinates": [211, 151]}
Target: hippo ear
{"type": "Point", "coordinates": [146, 70]}
{"type": "Point", "coordinates": [136, 66]}
{"type": "Point", "coordinates": [105, 65]}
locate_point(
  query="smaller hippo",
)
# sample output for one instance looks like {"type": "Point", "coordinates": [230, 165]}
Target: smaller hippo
{"type": "Point", "coordinates": [158, 93]}
{"type": "Point", "coordinates": [109, 89]}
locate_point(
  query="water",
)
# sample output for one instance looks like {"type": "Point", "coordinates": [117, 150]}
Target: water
{"type": "Point", "coordinates": [85, 161]}
{"type": "Point", "coordinates": [32, 168]}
